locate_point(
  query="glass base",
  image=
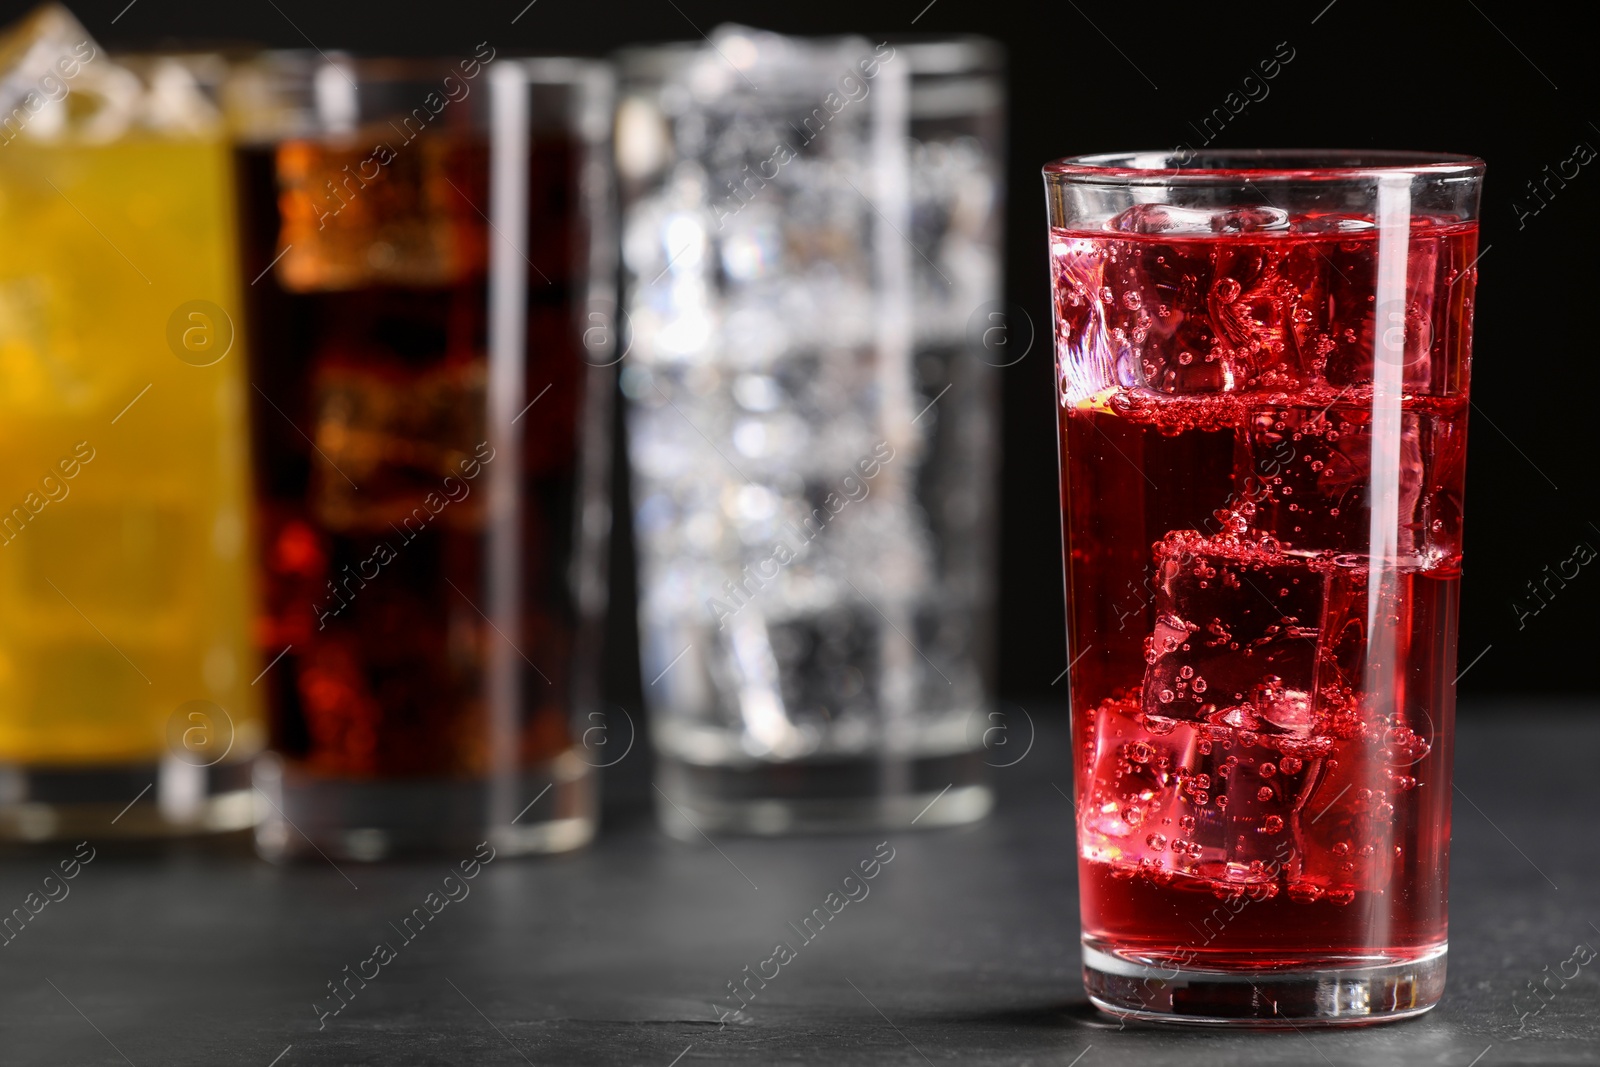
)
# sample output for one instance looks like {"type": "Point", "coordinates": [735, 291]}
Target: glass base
{"type": "Point", "coordinates": [126, 801]}
{"type": "Point", "coordinates": [821, 796]}
{"type": "Point", "coordinates": [365, 820]}
{"type": "Point", "coordinates": [1357, 995]}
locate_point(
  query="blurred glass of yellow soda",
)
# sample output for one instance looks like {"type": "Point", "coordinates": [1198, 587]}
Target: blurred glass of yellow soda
{"type": "Point", "coordinates": [126, 704]}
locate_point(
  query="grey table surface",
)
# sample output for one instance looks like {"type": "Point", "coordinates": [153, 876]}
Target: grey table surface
{"type": "Point", "coordinates": [965, 950]}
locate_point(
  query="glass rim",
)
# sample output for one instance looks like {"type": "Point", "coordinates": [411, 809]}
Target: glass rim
{"type": "Point", "coordinates": [930, 54]}
{"type": "Point", "coordinates": [1164, 166]}
{"type": "Point", "coordinates": [305, 62]}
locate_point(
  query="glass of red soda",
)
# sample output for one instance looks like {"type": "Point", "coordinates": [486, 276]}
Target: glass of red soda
{"type": "Point", "coordinates": [1262, 367]}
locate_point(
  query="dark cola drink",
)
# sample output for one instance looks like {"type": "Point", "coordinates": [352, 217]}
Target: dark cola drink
{"type": "Point", "coordinates": [421, 464]}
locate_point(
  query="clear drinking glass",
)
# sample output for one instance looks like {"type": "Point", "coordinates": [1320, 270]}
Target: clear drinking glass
{"type": "Point", "coordinates": [809, 228]}
{"type": "Point", "coordinates": [425, 243]}
{"type": "Point", "coordinates": [125, 654]}
{"type": "Point", "coordinates": [1263, 360]}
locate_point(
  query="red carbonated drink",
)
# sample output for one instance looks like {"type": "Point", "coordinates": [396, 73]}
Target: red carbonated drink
{"type": "Point", "coordinates": [1263, 413]}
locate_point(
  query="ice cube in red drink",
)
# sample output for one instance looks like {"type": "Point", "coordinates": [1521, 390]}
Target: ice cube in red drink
{"type": "Point", "coordinates": [1236, 631]}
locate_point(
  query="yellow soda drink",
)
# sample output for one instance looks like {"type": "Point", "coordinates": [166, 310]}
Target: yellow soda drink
{"type": "Point", "coordinates": [126, 660]}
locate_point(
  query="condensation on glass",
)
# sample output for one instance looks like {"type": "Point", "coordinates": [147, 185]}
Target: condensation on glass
{"type": "Point", "coordinates": [428, 242]}
{"type": "Point", "coordinates": [811, 227]}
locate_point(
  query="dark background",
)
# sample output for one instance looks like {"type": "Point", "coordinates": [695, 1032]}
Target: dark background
{"type": "Point", "coordinates": [1504, 81]}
